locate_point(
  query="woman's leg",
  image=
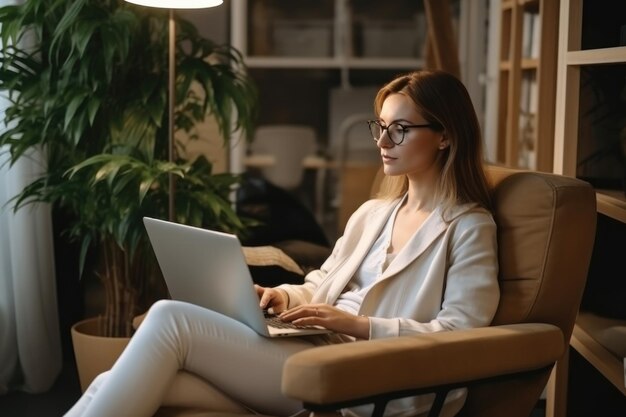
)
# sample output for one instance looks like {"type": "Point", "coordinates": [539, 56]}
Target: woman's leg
{"type": "Point", "coordinates": [189, 390]}
{"type": "Point", "coordinates": [177, 336]}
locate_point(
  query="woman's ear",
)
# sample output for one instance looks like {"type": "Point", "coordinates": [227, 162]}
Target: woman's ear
{"type": "Point", "coordinates": [444, 143]}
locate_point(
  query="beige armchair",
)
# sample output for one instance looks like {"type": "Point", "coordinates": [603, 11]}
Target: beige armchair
{"type": "Point", "coordinates": [546, 228]}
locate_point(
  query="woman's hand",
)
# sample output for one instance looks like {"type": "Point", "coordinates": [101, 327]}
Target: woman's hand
{"type": "Point", "coordinates": [273, 298]}
{"type": "Point", "coordinates": [328, 317]}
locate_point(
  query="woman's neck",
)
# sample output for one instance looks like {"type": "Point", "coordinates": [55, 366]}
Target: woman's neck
{"type": "Point", "coordinates": [421, 196]}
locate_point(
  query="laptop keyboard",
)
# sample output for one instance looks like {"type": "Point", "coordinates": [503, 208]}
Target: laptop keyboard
{"type": "Point", "coordinates": [274, 321]}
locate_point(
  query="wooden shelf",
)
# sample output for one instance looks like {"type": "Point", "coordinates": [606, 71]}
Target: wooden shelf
{"type": "Point", "coordinates": [507, 4]}
{"type": "Point", "coordinates": [333, 63]}
{"type": "Point", "coordinates": [529, 63]}
{"type": "Point", "coordinates": [614, 55]}
{"type": "Point", "coordinates": [612, 203]}
{"type": "Point", "coordinates": [605, 361]}
{"type": "Point", "coordinates": [505, 66]}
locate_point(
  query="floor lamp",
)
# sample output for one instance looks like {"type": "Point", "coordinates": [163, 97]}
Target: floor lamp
{"type": "Point", "coordinates": [171, 5]}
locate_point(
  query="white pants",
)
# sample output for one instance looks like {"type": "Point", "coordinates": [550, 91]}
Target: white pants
{"type": "Point", "coordinates": [238, 369]}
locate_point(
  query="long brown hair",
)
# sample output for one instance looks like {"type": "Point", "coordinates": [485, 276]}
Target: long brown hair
{"type": "Point", "coordinates": [444, 102]}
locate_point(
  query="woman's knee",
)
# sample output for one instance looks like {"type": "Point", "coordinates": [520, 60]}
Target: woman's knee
{"type": "Point", "coordinates": [163, 309]}
{"type": "Point", "coordinates": [97, 383]}
{"type": "Point", "coordinates": [163, 316]}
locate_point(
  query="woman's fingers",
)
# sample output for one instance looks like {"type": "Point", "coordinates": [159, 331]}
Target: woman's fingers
{"type": "Point", "coordinates": [270, 298]}
{"type": "Point", "coordinates": [318, 311]}
{"type": "Point", "coordinates": [329, 317]}
{"type": "Point", "coordinates": [265, 295]}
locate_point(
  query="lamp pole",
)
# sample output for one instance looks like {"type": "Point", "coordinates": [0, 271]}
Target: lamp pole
{"type": "Point", "coordinates": [170, 108]}
{"type": "Point", "coordinates": [171, 5]}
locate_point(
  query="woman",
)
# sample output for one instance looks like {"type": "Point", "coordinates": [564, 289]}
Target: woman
{"type": "Point", "coordinates": [420, 258]}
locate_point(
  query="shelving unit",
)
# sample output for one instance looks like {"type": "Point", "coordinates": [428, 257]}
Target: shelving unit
{"type": "Point", "coordinates": [526, 89]}
{"type": "Point", "coordinates": [333, 55]}
{"type": "Point", "coordinates": [344, 44]}
{"type": "Point", "coordinates": [586, 58]}
{"type": "Point", "coordinates": [304, 50]}
{"type": "Point", "coordinates": [330, 34]}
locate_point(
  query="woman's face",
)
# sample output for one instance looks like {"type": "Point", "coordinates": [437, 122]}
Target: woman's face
{"type": "Point", "coordinates": [417, 155]}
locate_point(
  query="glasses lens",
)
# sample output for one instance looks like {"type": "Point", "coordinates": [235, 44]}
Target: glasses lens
{"type": "Point", "coordinates": [396, 133]}
{"type": "Point", "coordinates": [375, 130]}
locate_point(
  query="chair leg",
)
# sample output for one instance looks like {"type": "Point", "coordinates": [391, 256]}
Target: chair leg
{"type": "Point", "coordinates": [379, 408]}
{"type": "Point", "coordinates": [556, 394]}
{"type": "Point", "coordinates": [440, 397]}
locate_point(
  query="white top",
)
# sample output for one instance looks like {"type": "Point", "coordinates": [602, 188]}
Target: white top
{"type": "Point", "coordinates": [371, 269]}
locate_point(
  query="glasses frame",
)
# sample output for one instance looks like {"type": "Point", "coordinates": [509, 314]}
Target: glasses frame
{"type": "Point", "coordinates": [405, 128]}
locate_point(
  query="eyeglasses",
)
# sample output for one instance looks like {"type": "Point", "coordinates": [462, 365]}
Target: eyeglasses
{"type": "Point", "coordinates": [395, 131]}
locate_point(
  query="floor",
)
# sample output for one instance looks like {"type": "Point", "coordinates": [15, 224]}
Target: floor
{"type": "Point", "coordinates": [53, 403]}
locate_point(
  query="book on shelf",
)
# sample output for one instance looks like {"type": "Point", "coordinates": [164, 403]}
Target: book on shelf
{"type": "Point", "coordinates": [531, 31]}
{"type": "Point", "coordinates": [527, 120]}
{"type": "Point", "coordinates": [529, 92]}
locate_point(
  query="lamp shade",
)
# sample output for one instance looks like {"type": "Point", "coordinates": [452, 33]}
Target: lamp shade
{"type": "Point", "coordinates": [178, 4]}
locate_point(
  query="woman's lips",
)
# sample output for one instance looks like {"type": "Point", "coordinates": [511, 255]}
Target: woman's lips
{"type": "Point", "coordinates": [387, 158]}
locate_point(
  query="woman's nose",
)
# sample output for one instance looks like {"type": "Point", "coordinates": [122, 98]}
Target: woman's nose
{"type": "Point", "coordinates": [384, 141]}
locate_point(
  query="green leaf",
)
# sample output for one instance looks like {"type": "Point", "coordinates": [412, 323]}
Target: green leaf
{"type": "Point", "coordinates": [92, 109]}
{"type": "Point", "coordinates": [84, 248]}
{"type": "Point", "coordinates": [73, 106]}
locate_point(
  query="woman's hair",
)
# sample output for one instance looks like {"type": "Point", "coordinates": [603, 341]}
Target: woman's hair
{"type": "Point", "coordinates": [444, 102]}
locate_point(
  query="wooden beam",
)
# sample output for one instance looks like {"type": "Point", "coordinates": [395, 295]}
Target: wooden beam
{"type": "Point", "coordinates": [442, 51]}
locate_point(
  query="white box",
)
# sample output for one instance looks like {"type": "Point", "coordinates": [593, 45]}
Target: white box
{"type": "Point", "coordinates": [303, 38]}
{"type": "Point", "coordinates": [392, 38]}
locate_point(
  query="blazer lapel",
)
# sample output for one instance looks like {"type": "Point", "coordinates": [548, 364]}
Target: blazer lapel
{"type": "Point", "coordinates": [432, 228]}
{"type": "Point", "coordinates": [372, 227]}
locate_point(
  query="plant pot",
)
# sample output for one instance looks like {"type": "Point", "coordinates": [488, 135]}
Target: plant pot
{"type": "Point", "coordinates": [94, 353]}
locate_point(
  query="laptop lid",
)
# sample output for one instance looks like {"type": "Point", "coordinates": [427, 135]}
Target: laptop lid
{"type": "Point", "coordinates": [208, 268]}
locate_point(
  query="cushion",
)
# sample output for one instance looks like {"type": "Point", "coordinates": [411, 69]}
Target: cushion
{"type": "Point", "coordinates": [285, 262]}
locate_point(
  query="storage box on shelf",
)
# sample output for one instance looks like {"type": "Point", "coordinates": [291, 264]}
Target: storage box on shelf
{"type": "Point", "coordinates": [312, 38]}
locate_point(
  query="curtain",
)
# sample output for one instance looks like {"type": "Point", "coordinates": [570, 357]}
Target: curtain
{"type": "Point", "coordinates": [30, 345]}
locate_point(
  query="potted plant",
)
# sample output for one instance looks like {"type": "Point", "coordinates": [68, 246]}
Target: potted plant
{"type": "Point", "coordinates": [91, 91]}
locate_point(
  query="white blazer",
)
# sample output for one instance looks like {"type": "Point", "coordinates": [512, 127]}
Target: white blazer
{"type": "Point", "coordinates": [445, 277]}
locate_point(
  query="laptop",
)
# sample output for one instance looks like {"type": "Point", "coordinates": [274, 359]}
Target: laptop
{"type": "Point", "coordinates": [208, 268]}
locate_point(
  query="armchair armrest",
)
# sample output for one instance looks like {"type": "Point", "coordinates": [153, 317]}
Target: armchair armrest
{"type": "Point", "coordinates": [341, 373]}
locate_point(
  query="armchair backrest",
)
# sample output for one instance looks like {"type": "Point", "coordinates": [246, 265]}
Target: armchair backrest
{"type": "Point", "coordinates": [546, 230]}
